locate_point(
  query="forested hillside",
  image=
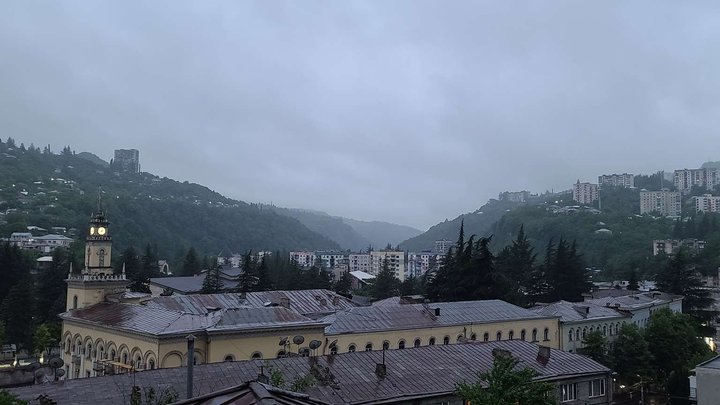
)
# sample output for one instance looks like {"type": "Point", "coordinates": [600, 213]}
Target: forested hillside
{"type": "Point", "coordinates": [478, 223]}
{"type": "Point", "coordinates": [45, 189]}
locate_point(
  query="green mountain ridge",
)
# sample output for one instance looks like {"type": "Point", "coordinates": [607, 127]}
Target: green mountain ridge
{"type": "Point", "coordinates": [46, 190]}
{"type": "Point", "coordinates": [351, 234]}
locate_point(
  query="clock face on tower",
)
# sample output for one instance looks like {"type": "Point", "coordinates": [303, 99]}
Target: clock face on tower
{"type": "Point", "coordinates": [92, 230]}
{"type": "Point", "coordinates": [101, 231]}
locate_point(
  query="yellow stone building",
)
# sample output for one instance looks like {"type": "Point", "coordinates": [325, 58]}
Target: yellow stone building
{"type": "Point", "coordinates": [107, 329]}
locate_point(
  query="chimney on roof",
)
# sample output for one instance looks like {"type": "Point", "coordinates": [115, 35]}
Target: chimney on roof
{"type": "Point", "coordinates": [380, 370]}
{"type": "Point", "coordinates": [285, 302]}
{"type": "Point", "coordinates": [543, 355]}
{"type": "Point", "coordinates": [262, 378]}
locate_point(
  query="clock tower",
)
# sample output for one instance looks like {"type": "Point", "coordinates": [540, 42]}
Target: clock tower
{"type": "Point", "coordinates": [96, 280]}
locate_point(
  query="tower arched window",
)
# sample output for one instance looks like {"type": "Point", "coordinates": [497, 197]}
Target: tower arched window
{"type": "Point", "coordinates": [534, 335]}
{"type": "Point", "coordinates": [546, 333]}
{"type": "Point", "coordinates": [101, 258]}
{"type": "Point", "coordinates": [75, 300]}
{"type": "Point", "coordinates": [522, 334]}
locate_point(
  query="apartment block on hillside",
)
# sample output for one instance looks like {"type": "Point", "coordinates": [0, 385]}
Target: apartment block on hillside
{"type": "Point", "coordinates": [617, 180]}
{"type": "Point", "coordinates": [585, 193]}
{"type": "Point", "coordinates": [667, 203]}
{"type": "Point", "coordinates": [706, 178]}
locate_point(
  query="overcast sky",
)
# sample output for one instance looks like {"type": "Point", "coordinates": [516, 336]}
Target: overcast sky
{"type": "Point", "coordinates": [403, 111]}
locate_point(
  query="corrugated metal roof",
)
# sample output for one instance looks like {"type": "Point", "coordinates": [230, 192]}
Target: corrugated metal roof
{"type": "Point", "coordinates": [577, 311]}
{"type": "Point", "coordinates": [636, 301]}
{"type": "Point", "coordinates": [407, 316]}
{"type": "Point", "coordinates": [413, 372]}
{"type": "Point", "coordinates": [311, 303]}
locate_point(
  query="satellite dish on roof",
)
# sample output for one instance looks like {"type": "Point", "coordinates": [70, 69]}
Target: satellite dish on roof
{"type": "Point", "coordinates": [298, 340]}
{"type": "Point", "coordinates": [314, 344]}
{"type": "Point", "coordinates": [56, 362]}
{"type": "Point", "coordinates": [60, 372]}
{"type": "Point", "coordinates": [283, 341]}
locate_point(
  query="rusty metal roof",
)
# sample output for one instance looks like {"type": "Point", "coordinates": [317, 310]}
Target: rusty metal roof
{"type": "Point", "coordinates": [411, 316]}
{"type": "Point", "coordinates": [348, 378]}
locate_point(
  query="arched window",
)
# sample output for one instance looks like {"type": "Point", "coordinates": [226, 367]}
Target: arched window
{"type": "Point", "coordinates": [281, 354]}
{"type": "Point", "coordinates": [431, 342]}
{"type": "Point", "coordinates": [473, 336]}
{"type": "Point", "coordinates": [617, 328]}
{"type": "Point", "coordinates": [416, 343]}
{"type": "Point", "coordinates": [151, 364]}
{"type": "Point", "coordinates": [386, 345]}
{"type": "Point", "coordinates": [351, 349]}
{"type": "Point", "coordinates": [368, 347]}
{"type": "Point", "coordinates": [534, 335]}
{"type": "Point", "coordinates": [101, 258]}
{"type": "Point", "coordinates": [511, 335]}
{"type": "Point", "coordinates": [446, 340]}
{"type": "Point", "coordinates": [584, 333]}
{"type": "Point", "coordinates": [138, 362]}
{"type": "Point", "coordinates": [604, 330]}
{"type": "Point", "coordinates": [498, 335]}
{"type": "Point", "coordinates": [333, 350]}
{"type": "Point", "coordinates": [125, 358]}
{"type": "Point", "coordinates": [486, 337]}
{"type": "Point", "coordinates": [522, 335]}
{"type": "Point", "coordinates": [459, 337]}
{"type": "Point", "coordinates": [229, 357]}
{"type": "Point", "coordinates": [546, 334]}
{"type": "Point", "coordinates": [577, 334]}
{"type": "Point", "coordinates": [570, 335]}
{"type": "Point", "coordinates": [592, 329]}
{"type": "Point", "coordinates": [74, 301]}
{"type": "Point", "coordinates": [113, 354]}
{"type": "Point", "coordinates": [401, 344]}
{"type": "Point", "coordinates": [255, 356]}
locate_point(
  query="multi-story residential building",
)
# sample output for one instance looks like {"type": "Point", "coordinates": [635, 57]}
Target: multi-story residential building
{"type": "Point", "coordinates": [359, 262]}
{"type": "Point", "coordinates": [580, 318]}
{"type": "Point", "coordinates": [395, 261]}
{"type": "Point", "coordinates": [669, 246]}
{"type": "Point", "coordinates": [304, 259]}
{"type": "Point", "coordinates": [43, 244]}
{"type": "Point", "coordinates": [707, 203]}
{"type": "Point", "coordinates": [442, 246]}
{"type": "Point", "coordinates": [706, 178]}
{"type": "Point", "coordinates": [127, 160]}
{"type": "Point", "coordinates": [667, 203]}
{"type": "Point", "coordinates": [585, 193]}
{"type": "Point", "coordinates": [331, 260]}
{"type": "Point", "coordinates": [617, 180]}
{"type": "Point", "coordinates": [514, 196]}
{"type": "Point", "coordinates": [419, 263]}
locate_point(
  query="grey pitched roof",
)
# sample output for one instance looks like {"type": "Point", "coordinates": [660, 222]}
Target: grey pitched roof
{"type": "Point", "coordinates": [311, 303]}
{"type": "Point", "coordinates": [713, 363]}
{"type": "Point", "coordinates": [251, 393]}
{"type": "Point", "coordinates": [636, 301]}
{"type": "Point", "coordinates": [163, 322]}
{"type": "Point", "coordinates": [344, 378]}
{"type": "Point", "coordinates": [577, 311]}
{"type": "Point", "coordinates": [410, 316]}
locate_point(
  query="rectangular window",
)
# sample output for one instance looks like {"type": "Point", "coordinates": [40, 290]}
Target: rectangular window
{"type": "Point", "coordinates": [597, 388]}
{"type": "Point", "coordinates": [569, 392]}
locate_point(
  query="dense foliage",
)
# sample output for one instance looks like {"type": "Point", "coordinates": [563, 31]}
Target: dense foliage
{"type": "Point", "coordinates": [505, 384]}
{"type": "Point", "coordinates": [472, 272]}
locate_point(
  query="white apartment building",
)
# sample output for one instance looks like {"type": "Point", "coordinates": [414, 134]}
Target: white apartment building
{"type": "Point", "coordinates": [359, 262]}
{"type": "Point", "coordinates": [303, 258]}
{"type": "Point", "coordinates": [617, 180]}
{"type": "Point", "coordinates": [442, 246]}
{"type": "Point", "coordinates": [331, 260]}
{"type": "Point", "coordinates": [668, 203]}
{"type": "Point", "coordinates": [585, 193]}
{"type": "Point", "coordinates": [707, 203]}
{"type": "Point", "coordinates": [669, 246]}
{"type": "Point", "coordinates": [418, 263]}
{"type": "Point", "coordinates": [685, 179]}
{"type": "Point", "coordinates": [395, 260]}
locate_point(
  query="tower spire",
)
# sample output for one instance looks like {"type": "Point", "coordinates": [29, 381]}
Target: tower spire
{"type": "Point", "coordinates": [99, 201]}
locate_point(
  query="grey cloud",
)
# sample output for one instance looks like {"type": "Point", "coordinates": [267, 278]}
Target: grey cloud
{"type": "Point", "coordinates": [406, 111]}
